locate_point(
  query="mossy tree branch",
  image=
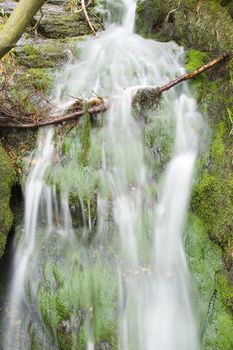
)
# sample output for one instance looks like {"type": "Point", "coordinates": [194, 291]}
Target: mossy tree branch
{"type": "Point", "coordinates": [143, 97]}
{"type": "Point", "coordinates": [17, 23]}
{"type": "Point", "coordinates": [147, 96]}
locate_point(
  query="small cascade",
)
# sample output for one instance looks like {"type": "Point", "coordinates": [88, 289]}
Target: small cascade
{"type": "Point", "coordinates": [132, 254]}
{"type": "Point", "coordinates": [36, 194]}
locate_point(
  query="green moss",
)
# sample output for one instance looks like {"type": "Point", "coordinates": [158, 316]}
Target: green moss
{"type": "Point", "coordinates": [18, 144]}
{"type": "Point", "coordinates": [224, 288]}
{"type": "Point", "coordinates": [212, 202]}
{"type": "Point", "coordinates": [213, 291]}
{"type": "Point", "coordinates": [213, 195]}
{"type": "Point", "coordinates": [195, 59]}
{"type": "Point", "coordinates": [158, 139]}
{"type": "Point", "coordinates": [51, 53]}
{"type": "Point", "coordinates": [230, 8]}
{"type": "Point", "coordinates": [217, 149]}
{"type": "Point", "coordinates": [205, 28]}
{"type": "Point", "coordinates": [151, 15]}
{"type": "Point", "coordinates": [192, 23]}
{"type": "Point", "coordinates": [77, 175]}
{"type": "Point", "coordinates": [7, 178]}
{"type": "Point", "coordinates": [66, 25]}
{"type": "Point", "coordinates": [87, 294]}
{"type": "Point", "coordinates": [48, 55]}
{"type": "Point", "coordinates": [26, 86]}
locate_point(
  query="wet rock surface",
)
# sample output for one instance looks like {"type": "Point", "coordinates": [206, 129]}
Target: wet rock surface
{"type": "Point", "coordinates": [45, 54]}
{"type": "Point", "coordinates": [103, 346]}
{"type": "Point", "coordinates": [59, 22]}
{"type": "Point", "coordinates": [7, 7]}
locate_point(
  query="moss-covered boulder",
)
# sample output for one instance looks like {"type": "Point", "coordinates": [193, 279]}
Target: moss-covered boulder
{"type": "Point", "coordinates": [27, 89]}
{"type": "Point", "coordinates": [212, 195]}
{"type": "Point", "coordinates": [151, 15]}
{"type": "Point", "coordinates": [192, 23]}
{"type": "Point", "coordinates": [206, 24]}
{"type": "Point", "coordinates": [212, 288]}
{"type": "Point", "coordinates": [18, 144]}
{"type": "Point", "coordinates": [7, 178]}
{"type": "Point", "coordinates": [48, 54]}
{"type": "Point", "coordinates": [66, 25]}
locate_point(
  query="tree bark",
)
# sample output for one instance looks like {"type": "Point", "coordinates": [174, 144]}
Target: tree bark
{"type": "Point", "coordinates": [17, 23]}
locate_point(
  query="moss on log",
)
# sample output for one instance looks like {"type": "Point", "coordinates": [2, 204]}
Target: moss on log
{"type": "Point", "coordinates": [17, 23]}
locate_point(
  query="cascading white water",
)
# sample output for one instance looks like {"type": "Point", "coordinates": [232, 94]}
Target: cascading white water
{"type": "Point", "coordinates": [155, 307]}
{"type": "Point", "coordinates": [35, 193]}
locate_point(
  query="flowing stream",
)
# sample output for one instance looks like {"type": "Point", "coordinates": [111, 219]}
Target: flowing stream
{"type": "Point", "coordinates": [145, 249]}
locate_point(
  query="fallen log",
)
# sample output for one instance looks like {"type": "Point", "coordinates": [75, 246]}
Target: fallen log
{"type": "Point", "coordinates": [142, 96]}
{"type": "Point", "coordinates": [58, 119]}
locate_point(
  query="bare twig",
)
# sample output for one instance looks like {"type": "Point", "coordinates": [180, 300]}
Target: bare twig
{"type": "Point", "coordinates": [35, 28]}
{"type": "Point", "coordinates": [87, 17]}
{"type": "Point", "coordinates": [97, 18]}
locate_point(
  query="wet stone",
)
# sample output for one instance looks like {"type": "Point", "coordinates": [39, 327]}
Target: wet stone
{"type": "Point", "coordinates": [103, 346]}
{"type": "Point", "coordinates": [7, 7]}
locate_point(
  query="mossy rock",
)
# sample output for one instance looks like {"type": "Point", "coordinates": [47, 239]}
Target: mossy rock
{"type": "Point", "coordinates": [150, 15]}
{"type": "Point", "coordinates": [18, 145]}
{"type": "Point", "coordinates": [7, 178]}
{"type": "Point", "coordinates": [206, 25]}
{"type": "Point", "coordinates": [213, 195]}
{"type": "Point", "coordinates": [46, 55]}
{"type": "Point", "coordinates": [213, 192]}
{"type": "Point", "coordinates": [213, 290]}
{"type": "Point", "coordinates": [24, 89]}
{"type": "Point", "coordinates": [70, 298]}
{"type": "Point", "coordinates": [66, 25]}
{"type": "Point", "coordinates": [213, 203]}
{"type": "Point", "coordinates": [191, 23]}
{"type": "Point", "coordinates": [50, 53]}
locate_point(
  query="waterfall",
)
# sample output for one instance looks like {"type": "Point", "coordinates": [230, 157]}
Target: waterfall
{"type": "Point", "coordinates": [154, 294]}
{"type": "Point", "coordinates": [35, 193]}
